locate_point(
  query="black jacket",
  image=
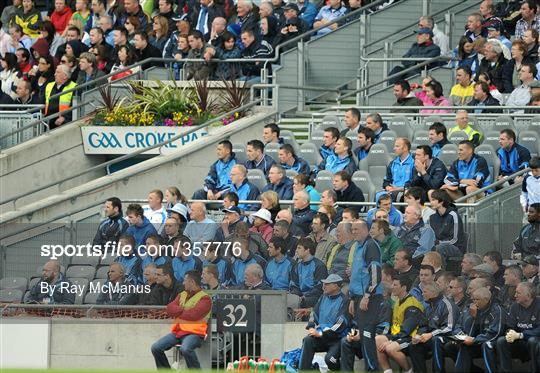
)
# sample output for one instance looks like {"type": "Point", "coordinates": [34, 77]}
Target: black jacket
{"type": "Point", "coordinates": [448, 228]}
{"type": "Point", "coordinates": [110, 230]}
{"type": "Point", "coordinates": [302, 219]}
{"type": "Point", "coordinates": [441, 317]}
{"type": "Point", "coordinates": [486, 326]}
{"type": "Point", "coordinates": [496, 72]}
{"type": "Point", "coordinates": [528, 241]}
{"type": "Point", "coordinates": [490, 101]}
{"type": "Point", "coordinates": [433, 179]}
{"type": "Point", "coordinates": [257, 49]}
{"type": "Point", "coordinates": [508, 71]}
{"type": "Point", "coordinates": [148, 52]}
{"type": "Point", "coordinates": [525, 320]}
{"type": "Point", "coordinates": [213, 11]}
{"type": "Point", "coordinates": [407, 101]}
{"type": "Point", "coordinates": [161, 296]}
{"type": "Point", "coordinates": [351, 194]}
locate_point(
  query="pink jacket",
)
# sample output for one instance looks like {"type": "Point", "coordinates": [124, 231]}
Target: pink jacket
{"type": "Point", "coordinates": [441, 101]}
{"type": "Point", "coordinates": [265, 231]}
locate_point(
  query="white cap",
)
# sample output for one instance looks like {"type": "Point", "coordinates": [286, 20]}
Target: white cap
{"type": "Point", "coordinates": [264, 214]}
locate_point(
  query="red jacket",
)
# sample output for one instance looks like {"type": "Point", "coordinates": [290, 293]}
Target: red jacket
{"type": "Point", "coordinates": [61, 19]}
{"type": "Point", "coordinates": [265, 231]}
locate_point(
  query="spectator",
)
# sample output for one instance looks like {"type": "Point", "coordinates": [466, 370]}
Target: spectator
{"type": "Point", "coordinates": [438, 138]}
{"type": "Point", "coordinates": [202, 17]}
{"type": "Point", "coordinates": [154, 210]}
{"type": "Point", "coordinates": [384, 202]}
{"type": "Point", "coordinates": [415, 236]}
{"type": "Point", "coordinates": [366, 138]}
{"type": "Point", "coordinates": [329, 198]}
{"type": "Point", "coordinates": [262, 224]}
{"type": "Point", "coordinates": [97, 40]}
{"type": "Point", "coordinates": [483, 99]}
{"type": "Point", "coordinates": [18, 39]}
{"type": "Point", "coordinates": [469, 261]}
{"type": "Point", "coordinates": [511, 69]}
{"type": "Point", "coordinates": [403, 264]}
{"type": "Point", "coordinates": [149, 277]}
{"type": "Point", "coordinates": [246, 19]}
{"type": "Point", "coordinates": [330, 137]}
{"type": "Point", "coordinates": [10, 75]}
{"type": "Point", "coordinates": [113, 226]}
{"type": "Point", "coordinates": [117, 280]}
{"type": "Point", "coordinates": [242, 261]}
{"type": "Point", "coordinates": [144, 50]}
{"type": "Point", "coordinates": [167, 288]}
{"type": "Point", "coordinates": [41, 75]}
{"type": "Point", "coordinates": [253, 49]}
{"type": "Point", "coordinates": [291, 25]}
{"type": "Point", "coordinates": [279, 183]}
{"type": "Point", "coordinates": [290, 161]}
{"type": "Point", "coordinates": [529, 19]}
{"type": "Point", "coordinates": [303, 214]}
{"type": "Point", "coordinates": [28, 18]}
{"type": "Point", "coordinates": [130, 258]}
{"type": "Point", "coordinates": [155, 253]}
{"type": "Point", "coordinates": [485, 77]}
{"type": "Point", "coordinates": [402, 92]}
{"type": "Point", "coordinates": [434, 92]}
{"type": "Point", "coordinates": [462, 93]}
{"type": "Point", "coordinates": [60, 16]}
{"type": "Point", "coordinates": [266, 9]}
{"type": "Point", "coordinates": [271, 134]}
{"type": "Point", "coordinates": [88, 70]}
{"type": "Point", "coordinates": [522, 325]}
{"type": "Point", "coordinates": [513, 156]}
{"type": "Point", "coordinates": [47, 32]}
{"type": "Point", "coordinates": [301, 182]}
{"type": "Point", "coordinates": [399, 171]}
{"type": "Point", "coordinates": [285, 229]}
{"type": "Point", "coordinates": [126, 57]}
{"type": "Point", "coordinates": [229, 223]}
{"type": "Point", "coordinates": [24, 94]}
{"type": "Point", "coordinates": [341, 159]}
{"type": "Point", "coordinates": [174, 196]}
{"type": "Point", "coordinates": [180, 52]}
{"type": "Point", "coordinates": [463, 125]}
{"type": "Point", "coordinates": [349, 215]}
{"type": "Point", "coordinates": [278, 10]}
{"type": "Point", "coordinates": [326, 15]}
{"type": "Point", "coordinates": [423, 48]}
{"type": "Point", "coordinates": [184, 258]}
{"type": "Point", "coordinates": [474, 27]}
{"type": "Point", "coordinates": [417, 196]}
{"type": "Point", "coordinates": [9, 12]}
{"type": "Point", "coordinates": [308, 12]}
{"type": "Point", "coordinates": [467, 174]}
{"type": "Point", "coordinates": [279, 267]}
{"type": "Point", "coordinates": [521, 95]}
{"type": "Point", "coordinates": [380, 231]}
{"type": "Point", "coordinates": [530, 190]}
{"type": "Point", "coordinates": [210, 278]}
{"type": "Point", "coordinates": [422, 96]}
{"type": "Point", "coordinates": [133, 8]}
{"type": "Point", "coordinates": [213, 258]}
{"type": "Point", "coordinates": [193, 305]}
{"type": "Point", "coordinates": [448, 227]}
{"type": "Point", "coordinates": [73, 36]}
{"type": "Point", "coordinates": [270, 201]}
{"type": "Point", "coordinates": [428, 172]}
{"type": "Point", "coordinates": [457, 293]}
{"type": "Point", "coordinates": [496, 31]}
{"type": "Point", "coordinates": [160, 32]}
{"type": "Point", "coordinates": [328, 323]}
{"type": "Point", "coordinates": [307, 274]}
{"type": "Point", "coordinates": [351, 121]}
{"type": "Point", "coordinates": [5, 40]}
{"type": "Point", "coordinates": [62, 103]}
{"type": "Point", "coordinates": [319, 234]}
{"type": "Point", "coordinates": [482, 323]}
{"type": "Point", "coordinates": [256, 157]}
{"type": "Point", "coordinates": [139, 225]}
{"type": "Point", "coordinates": [375, 123]}
{"type": "Point", "coordinates": [466, 55]}
{"type": "Point", "coordinates": [244, 189]}
{"type": "Point", "coordinates": [530, 266]}
{"type": "Point", "coordinates": [512, 277]}
{"type": "Point", "coordinates": [493, 63]}
{"type": "Point", "coordinates": [529, 236]}
{"type": "Point", "coordinates": [439, 37]}
{"type": "Point", "coordinates": [494, 260]}
{"type": "Point", "coordinates": [254, 278]}
{"type": "Point", "coordinates": [172, 42]}
{"type": "Point", "coordinates": [434, 260]}
{"type": "Point", "coordinates": [200, 228]}
{"type": "Point", "coordinates": [531, 41]}
{"type": "Point", "coordinates": [53, 287]}
{"type": "Point", "coordinates": [82, 11]}
{"type": "Point", "coordinates": [347, 191]}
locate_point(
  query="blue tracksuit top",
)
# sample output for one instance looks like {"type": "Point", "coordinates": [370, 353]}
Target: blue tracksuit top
{"type": "Point", "coordinates": [278, 274]}
{"type": "Point", "coordinates": [132, 268]}
{"type": "Point", "coordinates": [366, 269]}
{"type": "Point", "coordinates": [224, 270]}
{"type": "Point", "coordinates": [334, 163]}
{"type": "Point", "coordinates": [476, 168]}
{"type": "Point", "coordinates": [246, 191]}
{"type": "Point", "coordinates": [218, 177]}
{"type": "Point", "coordinates": [325, 151]}
{"type": "Point", "coordinates": [180, 267]}
{"type": "Point", "coordinates": [361, 153]}
{"type": "Point", "coordinates": [264, 164]}
{"type": "Point", "coordinates": [284, 188]}
{"type": "Point", "coordinates": [299, 165]}
{"type": "Point", "coordinates": [330, 314]}
{"type": "Point", "coordinates": [514, 160]}
{"type": "Point", "coordinates": [239, 267]}
{"type": "Point", "coordinates": [399, 172]}
{"type": "Point", "coordinates": [303, 276]}
{"type": "Point", "coordinates": [437, 147]}
{"type": "Point", "coordinates": [141, 233]}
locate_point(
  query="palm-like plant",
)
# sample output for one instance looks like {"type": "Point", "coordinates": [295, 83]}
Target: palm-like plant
{"type": "Point", "coordinates": [206, 103]}
{"type": "Point", "coordinates": [236, 93]}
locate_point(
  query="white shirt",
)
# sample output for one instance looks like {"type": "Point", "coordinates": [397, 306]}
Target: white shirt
{"type": "Point", "coordinates": [156, 217]}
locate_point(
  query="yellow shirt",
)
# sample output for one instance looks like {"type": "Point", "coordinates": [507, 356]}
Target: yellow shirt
{"type": "Point", "coordinates": [460, 96]}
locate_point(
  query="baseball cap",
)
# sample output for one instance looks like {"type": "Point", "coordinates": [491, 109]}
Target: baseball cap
{"type": "Point", "coordinates": [179, 17]}
{"type": "Point", "coordinates": [424, 30]}
{"type": "Point", "coordinates": [235, 209]}
{"type": "Point", "coordinates": [486, 268]}
{"type": "Point", "coordinates": [291, 6]}
{"type": "Point", "coordinates": [332, 279]}
{"type": "Point", "coordinates": [531, 259]}
{"type": "Point", "coordinates": [264, 214]}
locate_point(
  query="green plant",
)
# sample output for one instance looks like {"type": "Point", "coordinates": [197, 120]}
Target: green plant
{"type": "Point", "coordinates": [236, 94]}
{"type": "Point", "coordinates": [164, 99]}
{"type": "Point", "coordinates": [206, 103]}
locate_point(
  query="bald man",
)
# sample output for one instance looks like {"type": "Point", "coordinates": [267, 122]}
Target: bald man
{"type": "Point", "coordinates": [53, 288]}
{"type": "Point", "coordinates": [200, 228]}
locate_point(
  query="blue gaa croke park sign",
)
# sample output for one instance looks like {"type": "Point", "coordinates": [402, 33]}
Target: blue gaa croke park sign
{"type": "Point", "coordinates": [125, 140]}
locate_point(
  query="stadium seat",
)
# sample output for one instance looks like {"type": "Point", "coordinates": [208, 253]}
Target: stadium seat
{"type": "Point", "coordinates": [529, 139]}
{"type": "Point", "coordinates": [108, 260]}
{"type": "Point", "coordinates": [20, 283]}
{"type": "Point", "coordinates": [289, 138]}
{"type": "Point", "coordinates": [11, 295]}
{"type": "Point", "coordinates": [26, 296]}
{"type": "Point", "coordinates": [290, 173]}
{"type": "Point", "coordinates": [375, 164]}
{"type": "Point", "coordinates": [81, 282]}
{"type": "Point", "coordinates": [353, 136]}
{"type": "Point", "coordinates": [448, 154]}
{"type": "Point", "coordinates": [317, 137]}
{"type": "Point", "coordinates": [81, 271]}
{"type": "Point", "coordinates": [102, 272]}
{"type": "Point", "coordinates": [240, 152]}
{"type": "Point", "coordinates": [457, 137]}
{"type": "Point", "coordinates": [502, 122]}
{"type": "Point", "coordinates": [401, 126]}
{"type": "Point", "coordinates": [428, 121]}
{"type": "Point", "coordinates": [310, 153]}
{"type": "Point", "coordinates": [39, 270]}
{"type": "Point", "coordinates": [272, 149]}
{"type": "Point", "coordinates": [33, 282]}
{"type": "Point", "coordinates": [534, 125]}
{"type": "Point", "coordinates": [421, 137]}
{"type": "Point", "coordinates": [91, 298]}
{"type": "Point", "coordinates": [363, 181]}
{"type": "Point", "coordinates": [324, 181]}
{"type": "Point", "coordinates": [256, 177]}
{"type": "Point", "coordinates": [331, 121]}
{"type": "Point", "coordinates": [85, 260]}
{"type": "Point", "coordinates": [491, 138]}
{"type": "Point", "coordinates": [493, 162]}
{"type": "Point", "coordinates": [388, 138]}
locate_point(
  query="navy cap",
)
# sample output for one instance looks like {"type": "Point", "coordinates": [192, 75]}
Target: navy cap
{"type": "Point", "coordinates": [233, 209]}
{"type": "Point", "coordinates": [424, 30]}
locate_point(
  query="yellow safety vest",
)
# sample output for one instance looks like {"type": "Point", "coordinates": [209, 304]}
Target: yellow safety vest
{"type": "Point", "coordinates": [468, 130]}
{"type": "Point", "coordinates": [65, 100]}
{"type": "Point", "coordinates": [398, 313]}
{"type": "Point", "coordinates": [198, 327]}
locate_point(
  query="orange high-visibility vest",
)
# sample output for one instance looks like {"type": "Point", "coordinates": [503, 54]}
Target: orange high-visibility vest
{"type": "Point", "coordinates": [198, 327]}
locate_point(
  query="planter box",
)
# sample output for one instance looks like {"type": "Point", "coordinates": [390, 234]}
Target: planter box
{"type": "Point", "coordinates": [125, 140]}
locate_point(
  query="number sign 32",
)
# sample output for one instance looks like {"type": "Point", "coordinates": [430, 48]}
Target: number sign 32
{"type": "Point", "coordinates": [236, 315]}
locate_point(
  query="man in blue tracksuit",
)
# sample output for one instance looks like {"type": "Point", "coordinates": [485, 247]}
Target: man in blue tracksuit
{"type": "Point", "coordinates": [400, 171]}
{"type": "Point", "coordinates": [468, 173]}
{"type": "Point", "coordinates": [307, 274]}
{"type": "Point", "coordinates": [242, 261]}
{"type": "Point", "coordinates": [278, 270]}
{"type": "Point", "coordinates": [129, 259]}
{"type": "Point", "coordinates": [279, 183]}
{"type": "Point", "coordinates": [243, 188]}
{"type": "Point", "coordinates": [218, 181]}
{"type": "Point", "coordinates": [290, 161]}
{"type": "Point", "coordinates": [428, 172]}
{"type": "Point", "coordinates": [365, 291]}
{"type": "Point", "coordinates": [328, 322]}
{"type": "Point", "coordinates": [482, 323]}
{"type": "Point", "coordinates": [341, 159]}
{"type": "Point", "coordinates": [440, 321]}
{"type": "Point", "coordinates": [384, 202]}
{"type": "Point", "coordinates": [330, 137]}
{"type": "Point", "coordinates": [185, 258]}
{"type": "Point", "coordinates": [114, 226]}
{"type": "Point", "coordinates": [513, 157]}
{"type": "Point", "coordinates": [438, 138]}
{"type": "Point", "coordinates": [139, 227]}
{"type": "Point", "coordinates": [214, 256]}
{"type": "Point", "coordinates": [256, 159]}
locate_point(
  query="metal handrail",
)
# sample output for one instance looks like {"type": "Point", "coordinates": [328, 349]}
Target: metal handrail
{"type": "Point", "coordinates": [133, 154]}
{"type": "Point", "coordinates": [462, 107]}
